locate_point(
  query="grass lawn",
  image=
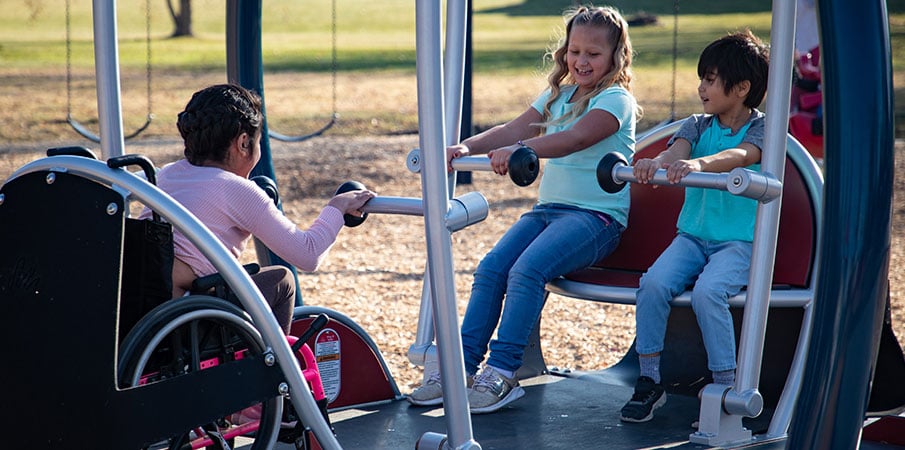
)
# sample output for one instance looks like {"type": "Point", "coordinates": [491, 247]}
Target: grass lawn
{"type": "Point", "coordinates": [372, 88]}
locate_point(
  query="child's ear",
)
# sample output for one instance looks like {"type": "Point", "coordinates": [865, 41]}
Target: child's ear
{"type": "Point", "coordinates": [743, 88]}
{"type": "Point", "coordinates": [244, 141]}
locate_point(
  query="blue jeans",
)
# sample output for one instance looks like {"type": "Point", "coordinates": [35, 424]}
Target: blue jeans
{"type": "Point", "coordinates": [721, 269]}
{"type": "Point", "coordinates": [545, 243]}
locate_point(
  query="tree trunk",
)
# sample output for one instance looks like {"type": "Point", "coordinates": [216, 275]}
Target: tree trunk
{"type": "Point", "coordinates": [182, 20]}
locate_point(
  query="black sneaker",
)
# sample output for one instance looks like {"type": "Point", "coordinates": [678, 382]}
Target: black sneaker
{"type": "Point", "coordinates": [648, 396]}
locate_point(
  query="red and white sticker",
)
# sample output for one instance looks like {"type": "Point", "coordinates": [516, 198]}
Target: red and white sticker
{"type": "Point", "coordinates": [326, 352]}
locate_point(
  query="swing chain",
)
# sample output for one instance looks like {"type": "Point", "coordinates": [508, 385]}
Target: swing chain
{"type": "Point", "coordinates": [335, 116]}
{"type": "Point", "coordinates": [78, 126]}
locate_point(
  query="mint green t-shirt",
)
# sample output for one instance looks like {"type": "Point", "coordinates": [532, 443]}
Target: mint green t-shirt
{"type": "Point", "coordinates": [712, 214]}
{"type": "Point", "coordinates": [572, 179]}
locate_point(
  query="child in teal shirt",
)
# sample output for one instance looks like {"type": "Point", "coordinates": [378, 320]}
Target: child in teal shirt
{"type": "Point", "coordinates": [712, 249]}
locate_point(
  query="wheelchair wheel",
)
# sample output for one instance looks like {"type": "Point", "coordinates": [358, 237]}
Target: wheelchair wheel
{"type": "Point", "coordinates": [190, 334]}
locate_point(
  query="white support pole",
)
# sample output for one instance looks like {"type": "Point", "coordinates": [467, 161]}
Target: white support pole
{"type": "Point", "coordinates": [106, 62]}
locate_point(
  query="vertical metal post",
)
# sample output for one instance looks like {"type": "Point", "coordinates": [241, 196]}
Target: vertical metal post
{"type": "Point", "coordinates": [773, 160]}
{"type": "Point", "coordinates": [432, 136]}
{"type": "Point", "coordinates": [722, 411]}
{"type": "Point", "coordinates": [454, 68]}
{"type": "Point", "coordinates": [422, 351]}
{"type": "Point", "coordinates": [465, 130]}
{"type": "Point", "coordinates": [106, 61]}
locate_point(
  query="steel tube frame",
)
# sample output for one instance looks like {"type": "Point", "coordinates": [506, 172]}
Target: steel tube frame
{"type": "Point", "coordinates": [432, 137]}
{"type": "Point", "coordinates": [422, 351]}
{"type": "Point", "coordinates": [720, 418]}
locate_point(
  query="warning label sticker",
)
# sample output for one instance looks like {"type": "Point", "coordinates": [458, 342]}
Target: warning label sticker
{"type": "Point", "coordinates": [326, 352]}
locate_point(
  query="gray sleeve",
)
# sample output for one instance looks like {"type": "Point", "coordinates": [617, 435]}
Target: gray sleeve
{"type": "Point", "coordinates": [691, 129]}
{"type": "Point", "coordinates": [755, 134]}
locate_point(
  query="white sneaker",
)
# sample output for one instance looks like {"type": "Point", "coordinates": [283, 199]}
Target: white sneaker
{"type": "Point", "coordinates": [428, 394]}
{"type": "Point", "coordinates": [431, 392]}
{"type": "Point", "coordinates": [492, 391]}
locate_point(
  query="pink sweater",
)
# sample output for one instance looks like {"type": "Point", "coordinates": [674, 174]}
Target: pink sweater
{"type": "Point", "coordinates": [235, 208]}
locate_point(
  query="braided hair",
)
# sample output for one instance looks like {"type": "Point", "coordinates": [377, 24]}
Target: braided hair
{"type": "Point", "coordinates": [214, 117]}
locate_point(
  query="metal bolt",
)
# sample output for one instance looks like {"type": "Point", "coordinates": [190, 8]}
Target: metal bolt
{"type": "Point", "coordinates": [112, 208]}
{"type": "Point", "coordinates": [51, 177]}
{"type": "Point", "coordinates": [270, 360]}
{"type": "Point", "coordinates": [284, 389]}
{"type": "Point", "coordinates": [413, 160]}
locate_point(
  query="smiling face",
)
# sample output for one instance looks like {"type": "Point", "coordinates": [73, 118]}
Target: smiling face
{"type": "Point", "coordinates": [589, 56]}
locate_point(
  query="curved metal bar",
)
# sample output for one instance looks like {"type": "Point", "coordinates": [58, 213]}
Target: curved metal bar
{"type": "Point", "coordinates": [87, 134]}
{"type": "Point", "coordinates": [783, 298]}
{"type": "Point", "coordinates": [136, 188]}
{"type": "Point", "coordinates": [286, 138]}
{"type": "Point", "coordinates": [813, 179]}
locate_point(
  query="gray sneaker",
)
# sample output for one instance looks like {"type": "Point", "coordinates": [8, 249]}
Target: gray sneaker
{"type": "Point", "coordinates": [492, 391]}
{"type": "Point", "coordinates": [431, 392]}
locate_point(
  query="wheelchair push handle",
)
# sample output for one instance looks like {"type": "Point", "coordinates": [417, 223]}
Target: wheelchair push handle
{"type": "Point", "coordinates": [74, 150]}
{"type": "Point", "coordinates": [146, 166]}
{"type": "Point", "coordinates": [135, 160]}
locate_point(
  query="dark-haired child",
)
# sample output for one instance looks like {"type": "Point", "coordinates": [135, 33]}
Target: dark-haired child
{"type": "Point", "coordinates": [712, 249]}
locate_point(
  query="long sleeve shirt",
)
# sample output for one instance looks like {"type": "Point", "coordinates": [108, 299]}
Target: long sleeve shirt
{"type": "Point", "coordinates": [234, 209]}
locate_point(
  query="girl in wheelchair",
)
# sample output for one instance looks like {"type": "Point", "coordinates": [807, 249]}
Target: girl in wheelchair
{"type": "Point", "coordinates": [221, 127]}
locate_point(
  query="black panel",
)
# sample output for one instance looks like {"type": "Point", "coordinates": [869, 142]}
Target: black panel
{"type": "Point", "coordinates": [59, 284]}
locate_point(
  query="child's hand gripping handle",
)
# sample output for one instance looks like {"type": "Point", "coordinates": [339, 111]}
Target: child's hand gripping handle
{"type": "Point", "coordinates": [613, 172]}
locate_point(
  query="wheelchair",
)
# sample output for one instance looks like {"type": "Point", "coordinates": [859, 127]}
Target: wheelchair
{"type": "Point", "coordinates": [204, 329]}
{"type": "Point", "coordinates": [86, 370]}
